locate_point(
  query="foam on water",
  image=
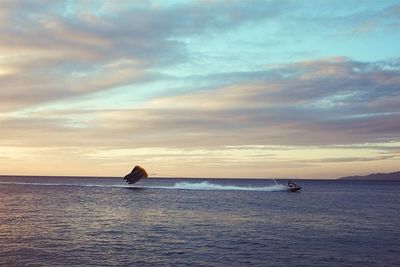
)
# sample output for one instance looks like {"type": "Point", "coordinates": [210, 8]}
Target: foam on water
{"type": "Point", "coordinates": [211, 186]}
{"type": "Point", "coordinates": [177, 186]}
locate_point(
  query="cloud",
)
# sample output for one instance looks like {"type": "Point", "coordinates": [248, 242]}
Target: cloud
{"type": "Point", "coordinates": [325, 102]}
{"type": "Point", "coordinates": [319, 102]}
{"type": "Point", "coordinates": [57, 50]}
{"type": "Point", "coordinates": [353, 159]}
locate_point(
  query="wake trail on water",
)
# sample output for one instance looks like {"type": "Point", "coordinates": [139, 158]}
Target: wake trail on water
{"type": "Point", "coordinates": [211, 186]}
{"type": "Point", "coordinates": [63, 184]}
{"type": "Point", "coordinates": [177, 186]}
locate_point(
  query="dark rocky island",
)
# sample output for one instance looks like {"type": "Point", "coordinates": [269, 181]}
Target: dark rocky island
{"type": "Point", "coordinates": [393, 176]}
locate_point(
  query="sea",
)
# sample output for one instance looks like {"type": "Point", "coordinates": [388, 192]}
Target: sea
{"type": "Point", "coordinates": [61, 221]}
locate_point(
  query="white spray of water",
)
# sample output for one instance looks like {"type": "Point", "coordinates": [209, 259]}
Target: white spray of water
{"type": "Point", "coordinates": [276, 183]}
{"type": "Point", "coordinates": [177, 186]}
{"type": "Point", "coordinates": [211, 186]}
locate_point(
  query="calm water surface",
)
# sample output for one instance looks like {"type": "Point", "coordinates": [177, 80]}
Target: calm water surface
{"type": "Point", "coordinates": [171, 222]}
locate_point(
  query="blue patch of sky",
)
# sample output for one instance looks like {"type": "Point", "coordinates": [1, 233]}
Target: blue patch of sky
{"type": "Point", "coordinates": [256, 44]}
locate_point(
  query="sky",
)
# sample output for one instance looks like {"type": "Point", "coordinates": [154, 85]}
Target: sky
{"type": "Point", "coordinates": [240, 89]}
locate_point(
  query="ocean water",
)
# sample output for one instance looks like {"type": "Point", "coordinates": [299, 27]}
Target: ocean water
{"type": "Point", "coordinates": [177, 222]}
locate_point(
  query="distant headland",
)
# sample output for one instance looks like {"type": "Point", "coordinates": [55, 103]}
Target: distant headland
{"type": "Point", "coordinates": [393, 176]}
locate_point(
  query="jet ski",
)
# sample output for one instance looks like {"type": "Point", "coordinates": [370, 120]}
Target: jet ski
{"type": "Point", "coordinates": [292, 187]}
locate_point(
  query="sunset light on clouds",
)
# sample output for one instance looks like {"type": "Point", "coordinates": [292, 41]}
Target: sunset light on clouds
{"type": "Point", "coordinates": [248, 89]}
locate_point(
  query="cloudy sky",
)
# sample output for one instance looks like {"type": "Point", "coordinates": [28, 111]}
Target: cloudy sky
{"type": "Point", "coordinates": [200, 88]}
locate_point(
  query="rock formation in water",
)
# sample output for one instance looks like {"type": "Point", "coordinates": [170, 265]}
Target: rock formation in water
{"type": "Point", "coordinates": [136, 175]}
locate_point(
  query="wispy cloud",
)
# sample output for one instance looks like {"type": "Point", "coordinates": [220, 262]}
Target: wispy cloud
{"type": "Point", "coordinates": [57, 51]}
{"type": "Point", "coordinates": [309, 103]}
{"type": "Point", "coordinates": [53, 53]}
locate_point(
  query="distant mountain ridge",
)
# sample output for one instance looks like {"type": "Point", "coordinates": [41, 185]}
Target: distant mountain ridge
{"type": "Point", "coordinates": [393, 176]}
